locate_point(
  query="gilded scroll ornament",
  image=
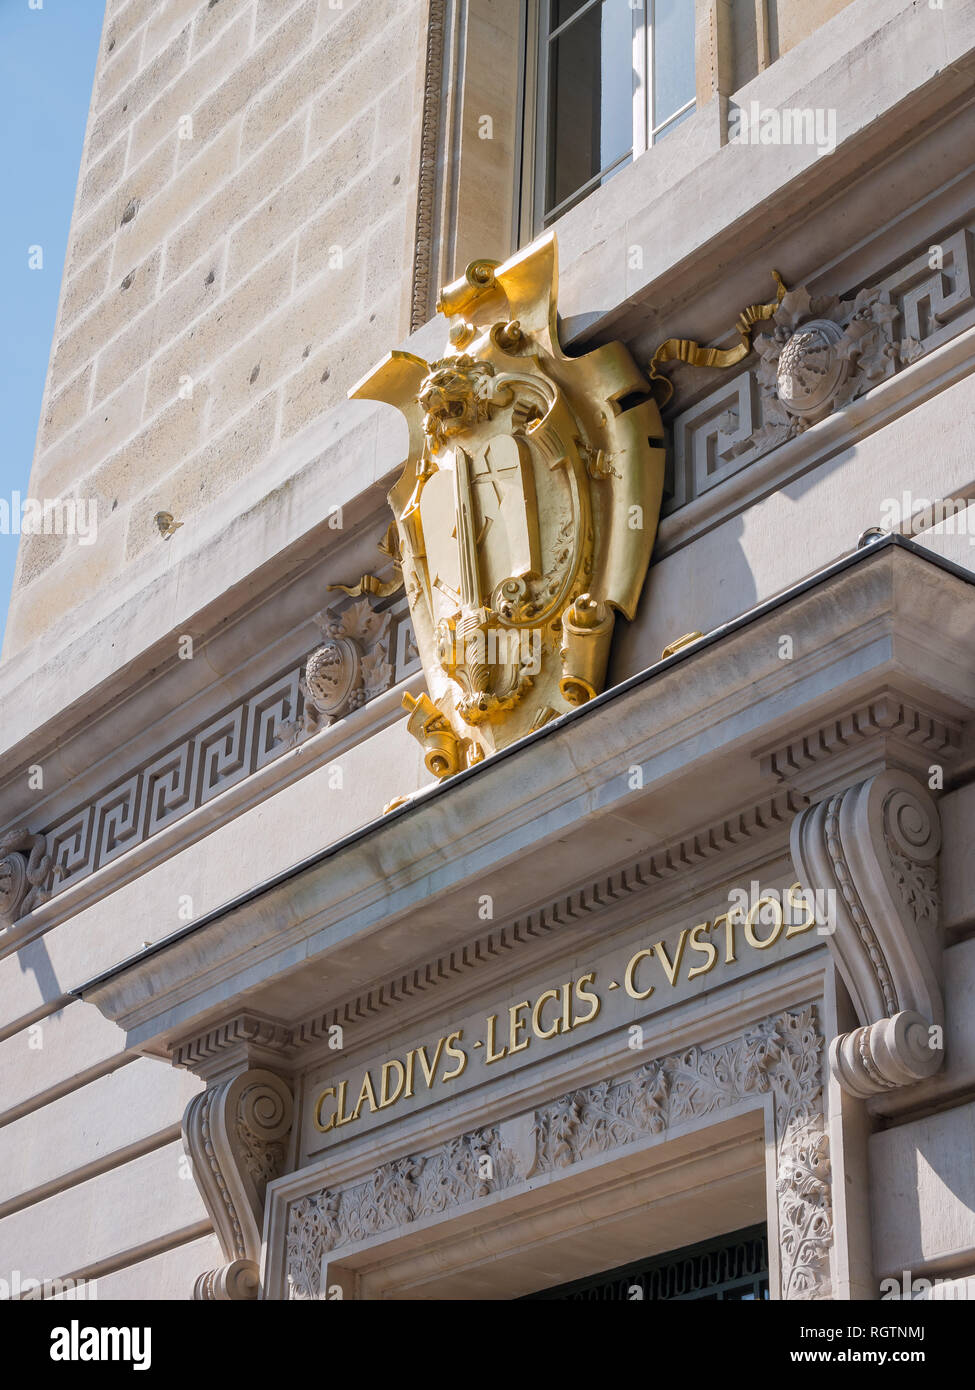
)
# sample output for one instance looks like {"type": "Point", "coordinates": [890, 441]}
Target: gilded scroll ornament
{"type": "Point", "coordinates": [526, 512]}
{"type": "Point", "coordinates": [684, 350]}
{"type": "Point", "coordinates": [369, 584]}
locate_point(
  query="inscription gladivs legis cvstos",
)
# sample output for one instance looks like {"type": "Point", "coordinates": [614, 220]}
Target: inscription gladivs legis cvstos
{"type": "Point", "coordinates": [559, 1010]}
{"type": "Point", "coordinates": [418, 1068]}
{"type": "Point", "coordinates": [723, 942]}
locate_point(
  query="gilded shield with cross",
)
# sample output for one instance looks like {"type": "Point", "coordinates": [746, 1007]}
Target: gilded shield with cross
{"type": "Point", "coordinates": [527, 510]}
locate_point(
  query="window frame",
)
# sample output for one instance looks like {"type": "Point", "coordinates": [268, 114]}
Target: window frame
{"type": "Point", "coordinates": [533, 217]}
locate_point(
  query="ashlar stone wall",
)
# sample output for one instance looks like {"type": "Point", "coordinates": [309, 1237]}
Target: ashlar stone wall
{"type": "Point", "coordinates": [240, 253]}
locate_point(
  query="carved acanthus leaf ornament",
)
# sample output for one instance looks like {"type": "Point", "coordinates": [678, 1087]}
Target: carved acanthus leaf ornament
{"type": "Point", "coordinates": [526, 511]}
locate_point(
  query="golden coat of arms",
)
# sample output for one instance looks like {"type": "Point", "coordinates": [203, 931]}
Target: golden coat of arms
{"type": "Point", "coordinates": [526, 512]}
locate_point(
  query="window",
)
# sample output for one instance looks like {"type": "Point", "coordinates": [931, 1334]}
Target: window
{"type": "Point", "coordinates": [612, 78]}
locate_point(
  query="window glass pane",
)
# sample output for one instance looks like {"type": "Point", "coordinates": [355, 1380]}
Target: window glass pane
{"type": "Point", "coordinates": [563, 10]}
{"type": "Point", "coordinates": [590, 116]}
{"type": "Point", "coordinates": [586, 190]}
{"type": "Point", "coordinates": [673, 57]}
{"type": "Point", "coordinates": [672, 125]}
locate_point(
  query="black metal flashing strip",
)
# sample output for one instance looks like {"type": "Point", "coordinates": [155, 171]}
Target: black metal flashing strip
{"type": "Point", "coordinates": [615, 692]}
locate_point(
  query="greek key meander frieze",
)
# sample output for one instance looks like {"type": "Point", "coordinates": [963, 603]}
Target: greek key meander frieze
{"type": "Point", "coordinates": [367, 651]}
{"type": "Point", "coordinates": [819, 355]}
{"type": "Point", "coordinates": [780, 1057]}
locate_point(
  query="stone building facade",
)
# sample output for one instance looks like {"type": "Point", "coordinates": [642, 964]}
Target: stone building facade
{"type": "Point", "coordinates": [669, 938]}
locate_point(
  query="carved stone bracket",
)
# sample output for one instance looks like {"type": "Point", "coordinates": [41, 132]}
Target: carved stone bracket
{"type": "Point", "coordinates": [870, 856]}
{"type": "Point", "coordinates": [236, 1136]}
{"type": "Point", "coordinates": [780, 1056]}
{"type": "Point", "coordinates": [24, 867]}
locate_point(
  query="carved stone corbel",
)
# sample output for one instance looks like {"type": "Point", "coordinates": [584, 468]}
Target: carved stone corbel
{"type": "Point", "coordinates": [869, 855]}
{"type": "Point", "coordinates": [236, 1136]}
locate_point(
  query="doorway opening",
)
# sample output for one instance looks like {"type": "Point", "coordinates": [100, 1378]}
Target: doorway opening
{"type": "Point", "coordinates": [730, 1268]}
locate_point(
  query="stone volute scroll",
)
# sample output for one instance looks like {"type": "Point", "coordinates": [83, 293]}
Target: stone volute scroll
{"type": "Point", "coordinates": [872, 853]}
{"type": "Point", "coordinates": [236, 1136]}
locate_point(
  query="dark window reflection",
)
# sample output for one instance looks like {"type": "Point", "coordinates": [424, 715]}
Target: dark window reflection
{"type": "Point", "coordinates": [563, 10]}
{"type": "Point", "coordinates": [732, 1268]}
{"type": "Point", "coordinates": [590, 97]}
{"type": "Point", "coordinates": [595, 113]}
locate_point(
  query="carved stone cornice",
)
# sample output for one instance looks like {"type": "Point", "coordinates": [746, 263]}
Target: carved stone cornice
{"type": "Point", "coordinates": [889, 729]}
{"type": "Point", "coordinates": [261, 1041]}
{"type": "Point", "coordinates": [591, 900]}
{"type": "Point", "coordinates": [870, 855]}
{"type": "Point", "coordinates": [253, 1039]}
{"type": "Point", "coordinates": [549, 813]}
{"type": "Point", "coordinates": [780, 1057]}
{"type": "Point", "coordinates": [236, 1136]}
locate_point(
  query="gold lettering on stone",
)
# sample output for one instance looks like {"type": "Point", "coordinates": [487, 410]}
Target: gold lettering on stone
{"type": "Point", "coordinates": [556, 1011]}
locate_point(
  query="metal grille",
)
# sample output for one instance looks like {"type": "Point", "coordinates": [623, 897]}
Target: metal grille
{"type": "Point", "coordinates": [733, 1267]}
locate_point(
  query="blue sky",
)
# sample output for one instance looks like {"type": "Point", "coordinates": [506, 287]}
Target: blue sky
{"type": "Point", "coordinates": [47, 65]}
